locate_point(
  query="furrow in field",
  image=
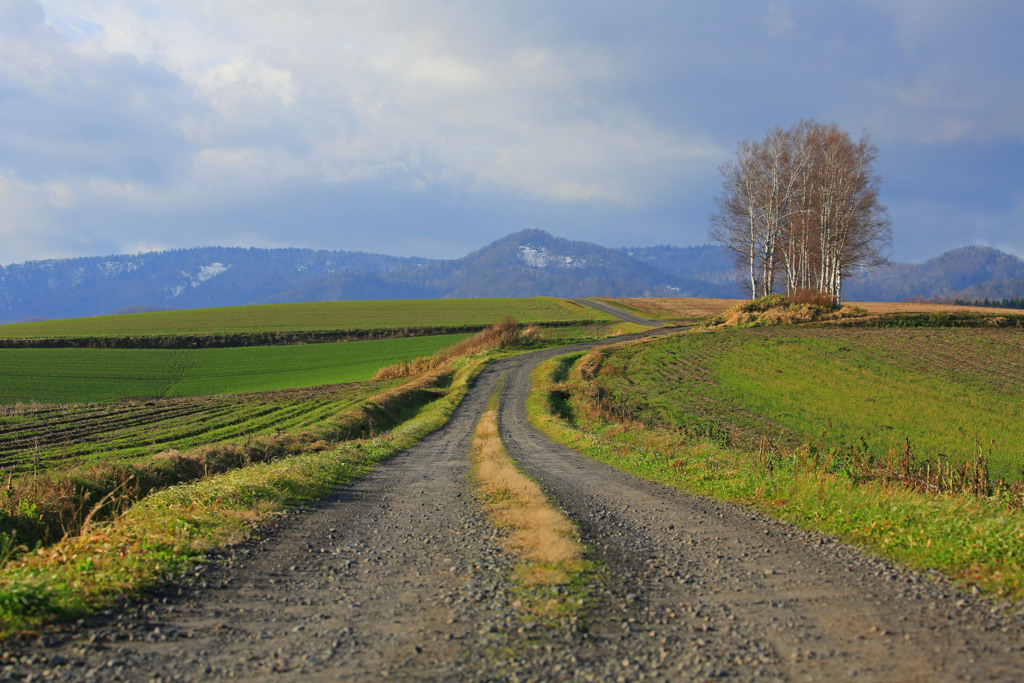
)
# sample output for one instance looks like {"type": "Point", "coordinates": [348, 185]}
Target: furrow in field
{"type": "Point", "coordinates": [398, 575]}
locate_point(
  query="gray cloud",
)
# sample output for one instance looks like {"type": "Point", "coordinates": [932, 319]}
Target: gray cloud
{"type": "Point", "coordinates": [433, 125]}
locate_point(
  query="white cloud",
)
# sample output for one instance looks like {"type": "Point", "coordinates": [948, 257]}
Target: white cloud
{"type": "Point", "coordinates": [445, 72]}
{"type": "Point", "coordinates": [192, 108]}
{"type": "Point", "coordinates": [354, 91]}
{"type": "Point", "coordinates": [779, 22]}
{"type": "Point", "coordinates": [21, 201]}
{"type": "Point", "coordinates": [240, 83]}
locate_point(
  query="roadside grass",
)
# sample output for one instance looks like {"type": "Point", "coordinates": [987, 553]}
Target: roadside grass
{"type": "Point", "coordinates": [41, 507]}
{"type": "Point", "coordinates": [550, 577]}
{"type": "Point", "coordinates": [507, 334]}
{"type": "Point", "coordinates": [104, 375]}
{"type": "Point", "coordinates": [975, 540]}
{"type": "Point", "coordinates": [172, 528]}
{"type": "Point", "coordinates": [332, 316]}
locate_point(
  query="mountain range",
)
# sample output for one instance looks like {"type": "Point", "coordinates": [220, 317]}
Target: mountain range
{"type": "Point", "coordinates": [527, 263]}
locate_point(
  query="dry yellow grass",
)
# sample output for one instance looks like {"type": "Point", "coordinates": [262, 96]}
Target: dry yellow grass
{"type": "Point", "coordinates": [878, 307]}
{"type": "Point", "coordinates": [502, 335]}
{"type": "Point", "coordinates": [537, 532]}
{"type": "Point", "coordinates": [677, 308]}
{"type": "Point", "coordinates": [684, 308]}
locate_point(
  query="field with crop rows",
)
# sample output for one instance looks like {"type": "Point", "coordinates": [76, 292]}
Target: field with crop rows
{"type": "Point", "coordinates": [92, 375]}
{"type": "Point", "coordinates": [44, 436]}
{"type": "Point", "coordinates": [668, 308]}
{"type": "Point", "coordinates": [683, 308]}
{"type": "Point", "coordinates": [310, 317]}
{"type": "Point", "coordinates": [950, 392]}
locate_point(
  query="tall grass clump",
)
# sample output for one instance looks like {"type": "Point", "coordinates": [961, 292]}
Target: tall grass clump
{"type": "Point", "coordinates": [802, 306]}
{"type": "Point", "coordinates": [502, 335]}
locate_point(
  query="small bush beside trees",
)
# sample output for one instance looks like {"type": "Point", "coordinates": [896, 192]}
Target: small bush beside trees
{"type": "Point", "coordinates": [775, 309]}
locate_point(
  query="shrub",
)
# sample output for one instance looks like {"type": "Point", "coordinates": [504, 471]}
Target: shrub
{"type": "Point", "coordinates": [813, 297]}
{"type": "Point", "coordinates": [506, 334]}
{"type": "Point", "coordinates": [776, 309]}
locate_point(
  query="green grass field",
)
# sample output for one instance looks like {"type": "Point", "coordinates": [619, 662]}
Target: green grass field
{"type": "Point", "coordinates": [949, 391]}
{"type": "Point", "coordinates": [310, 317]}
{"type": "Point", "coordinates": [95, 375]}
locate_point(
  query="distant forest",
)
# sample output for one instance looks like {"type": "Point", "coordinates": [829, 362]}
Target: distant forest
{"type": "Point", "coordinates": [1015, 302]}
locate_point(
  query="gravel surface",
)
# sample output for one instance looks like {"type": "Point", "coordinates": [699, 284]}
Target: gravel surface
{"type": "Point", "coordinates": [399, 576]}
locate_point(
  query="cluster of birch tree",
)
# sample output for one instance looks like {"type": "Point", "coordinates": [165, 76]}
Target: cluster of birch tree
{"type": "Point", "coordinates": [801, 204]}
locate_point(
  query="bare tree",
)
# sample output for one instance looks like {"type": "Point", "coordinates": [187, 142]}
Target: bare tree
{"type": "Point", "coordinates": [782, 163]}
{"type": "Point", "coordinates": [736, 223]}
{"type": "Point", "coordinates": [804, 200]}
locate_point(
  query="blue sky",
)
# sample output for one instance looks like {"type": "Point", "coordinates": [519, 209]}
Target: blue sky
{"type": "Point", "coordinates": [433, 127]}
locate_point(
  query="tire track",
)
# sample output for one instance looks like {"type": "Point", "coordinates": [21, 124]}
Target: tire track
{"type": "Point", "coordinates": [730, 592]}
{"type": "Point", "coordinates": [398, 575]}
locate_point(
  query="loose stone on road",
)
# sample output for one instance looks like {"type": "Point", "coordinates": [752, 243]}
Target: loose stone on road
{"type": "Point", "coordinates": [398, 575]}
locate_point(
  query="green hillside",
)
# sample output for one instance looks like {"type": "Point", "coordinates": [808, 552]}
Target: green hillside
{"type": "Point", "coordinates": [950, 392]}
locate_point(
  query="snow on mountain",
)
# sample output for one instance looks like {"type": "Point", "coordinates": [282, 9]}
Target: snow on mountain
{"type": "Point", "coordinates": [540, 257]}
{"type": "Point", "coordinates": [209, 272]}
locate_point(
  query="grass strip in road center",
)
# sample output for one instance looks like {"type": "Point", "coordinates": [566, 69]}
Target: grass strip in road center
{"type": "Point", "coordinates": [551, 573]}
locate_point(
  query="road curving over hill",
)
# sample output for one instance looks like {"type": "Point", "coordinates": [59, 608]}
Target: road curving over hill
{"type": "Point", "coordinates": [620, 313]}
{"type": "Point", "coordinates": [399, 576]}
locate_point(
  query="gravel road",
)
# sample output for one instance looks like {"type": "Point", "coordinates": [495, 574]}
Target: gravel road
{"type": "Point", "coordinates": [623, 315]}
{"type": "Point", "coordinates": [399, 576]}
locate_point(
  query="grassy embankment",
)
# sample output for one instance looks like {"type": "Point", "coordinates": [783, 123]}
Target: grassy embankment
{"type": "Point", "coordinates": [812, 426]}
{"type": "Point", "coordinates": [125, 526]}
{"type": "Point", "coordinates": [682, 309]}
{"type": "Point", "coordinates": [551, 571]}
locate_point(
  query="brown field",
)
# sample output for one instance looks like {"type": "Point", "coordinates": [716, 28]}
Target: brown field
{"type": "Point", "coordinates": [684, 308]}
{"type": "Point", "coordinates": [675, 308]}
{"type": "Point", "coordinates": [879, 307]}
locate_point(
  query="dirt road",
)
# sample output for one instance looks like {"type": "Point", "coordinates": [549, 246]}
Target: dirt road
{"type": "Point", "coordinates": [622, 314]}
{"type": "Point", "coordinates": [399, 576]}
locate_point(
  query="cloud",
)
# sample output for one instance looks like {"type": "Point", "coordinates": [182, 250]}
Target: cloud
{"type": "Point", "coordinates": [20, 18]}
{"type": "Point", "coordinates": [360, 90]}
{"type": "Point", "coordinates": [779, 22]}
{"type": "Point", "coordinates": [122, 118]}
{"type": "Point", "coordinates": [65, 116]}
